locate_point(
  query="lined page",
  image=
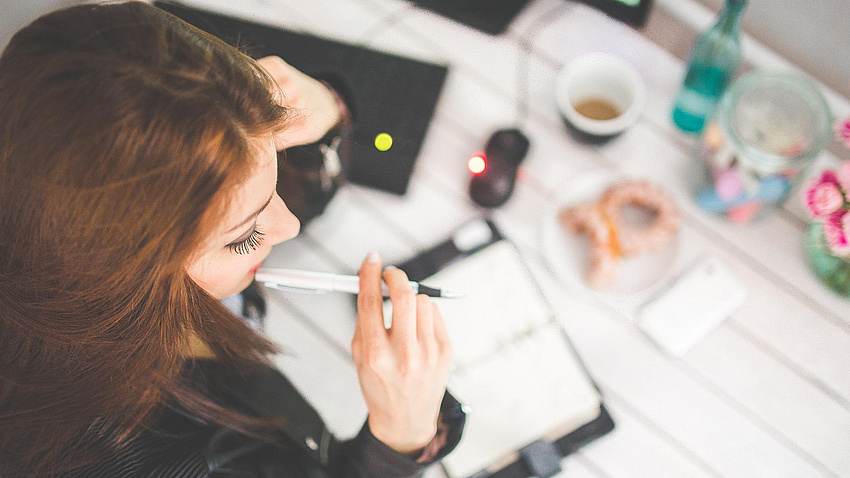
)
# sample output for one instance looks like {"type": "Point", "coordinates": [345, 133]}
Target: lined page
{"type": "Point", "coordinates": [501, 301]}
{"type": "Point", "coordinates": [514, 368]}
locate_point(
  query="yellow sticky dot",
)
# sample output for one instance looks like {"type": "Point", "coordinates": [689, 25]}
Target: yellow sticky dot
{"type": "Point", "coordinates": [383, 142]}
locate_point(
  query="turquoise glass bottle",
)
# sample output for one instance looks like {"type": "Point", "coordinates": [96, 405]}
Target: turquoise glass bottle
{"type": "Point", "coordinates": [715, 57]}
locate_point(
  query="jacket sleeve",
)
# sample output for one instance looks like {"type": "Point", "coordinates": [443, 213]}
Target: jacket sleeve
{"type": "Point", "coordinates": [310, 449]}
{"type": "Point", "coordinates": [366, 456]}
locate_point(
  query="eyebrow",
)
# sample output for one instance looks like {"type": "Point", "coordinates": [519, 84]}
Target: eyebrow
{"type": "Point", "coordinates": [252, 216]}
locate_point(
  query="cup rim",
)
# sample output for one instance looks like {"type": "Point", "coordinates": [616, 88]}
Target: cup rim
{"type": "Point", "coordinates": [592, 126]}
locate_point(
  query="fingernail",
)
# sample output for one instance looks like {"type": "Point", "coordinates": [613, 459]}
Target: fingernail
{"type": "Point", "coordinates": [373, 257]}
{"type": "Point", "coordinates": [390, 268]}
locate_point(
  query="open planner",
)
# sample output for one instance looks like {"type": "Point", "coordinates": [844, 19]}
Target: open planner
{"type": "Point", "coordinates": [528, 398]}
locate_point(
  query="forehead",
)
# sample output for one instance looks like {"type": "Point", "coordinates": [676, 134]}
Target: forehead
{"type": "Point", "coordinates": [255, 189]}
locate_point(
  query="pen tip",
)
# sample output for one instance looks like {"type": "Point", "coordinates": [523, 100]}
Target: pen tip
{"type": "Point", "coordinates": [451, 294]}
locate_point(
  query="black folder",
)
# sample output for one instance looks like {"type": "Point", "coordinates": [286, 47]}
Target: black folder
{"type": "Point", "coordinates": [540, 458]}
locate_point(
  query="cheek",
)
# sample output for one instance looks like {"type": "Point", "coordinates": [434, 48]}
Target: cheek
{"type": "Point", "coordinates": [220, 277]}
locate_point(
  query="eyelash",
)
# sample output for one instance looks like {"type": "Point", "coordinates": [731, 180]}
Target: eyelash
{"type": "Point", "coordinates": [252, 242]}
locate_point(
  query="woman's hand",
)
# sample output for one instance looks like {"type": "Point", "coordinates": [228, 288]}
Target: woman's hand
{"type": "Point", "coordinates": [316, 109]}
{"type": "Point", "coordinates": [403, 370]}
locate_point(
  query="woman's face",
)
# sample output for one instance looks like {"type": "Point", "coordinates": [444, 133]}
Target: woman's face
{"type": "Point", "coordinates": [254, 221]}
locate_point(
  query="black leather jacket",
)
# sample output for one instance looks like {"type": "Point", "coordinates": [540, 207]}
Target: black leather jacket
{"type": "Point", "coordinates": [184, 446]}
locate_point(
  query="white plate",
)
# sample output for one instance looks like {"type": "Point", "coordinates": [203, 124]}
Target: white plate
{"type": "Point", "coordinates": [568, 254]}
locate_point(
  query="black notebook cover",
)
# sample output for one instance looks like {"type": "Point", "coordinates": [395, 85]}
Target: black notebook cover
{"type": "Point", "coordinates": [432, 260]}
{"type": "Point", "coordinates": [386, 93]}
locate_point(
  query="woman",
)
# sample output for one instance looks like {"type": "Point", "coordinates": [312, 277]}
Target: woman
{"type": "Point", "coordinates": [138, 166]}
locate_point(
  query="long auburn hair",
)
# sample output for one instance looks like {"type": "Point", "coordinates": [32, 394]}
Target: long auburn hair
{"type": "Point", "coordinates": [123, 130]}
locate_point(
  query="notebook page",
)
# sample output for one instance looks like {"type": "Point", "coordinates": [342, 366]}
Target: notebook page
{"type": "Point", "coordinates": [513, 365]}
{"type": "Point", "coordinates": [521, 394]}
{"type": "Point", "coordinates": [501, 301]}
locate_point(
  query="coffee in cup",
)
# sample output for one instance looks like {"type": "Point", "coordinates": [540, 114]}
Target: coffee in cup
{"type": "Point", "coordinates": [599, 96]}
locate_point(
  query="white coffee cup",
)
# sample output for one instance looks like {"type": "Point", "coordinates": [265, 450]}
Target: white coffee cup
{"type": "Point", "coordinates": [605, 77]}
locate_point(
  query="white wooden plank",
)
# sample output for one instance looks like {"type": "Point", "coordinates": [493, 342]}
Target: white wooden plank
{"type": "Point", "coordinates": [425, 214]}
{"type": "Point", "coordinates": [578, 466]}
{"type": "Point", "coordinates": [325, 378]}
{"type": "Point", "coordinates": [349, 232]}
{"type": "Point", "coordinates": [796, 409]}
{"type": "Point", "coordinates": [585, 30]}
{"type": "Point", "coordinates": [787, 307]}
{"type": "Point", "coordinates": [443, 159]}
{"type": "Point", "coordinates": [621, 360]}
{"type": "Point", "coordinates": [523, 202]}
{"type": "Point", "coordinates": [812, 343]}
{"type": "Point", "coordinates": [284, 15]}
{"type": "Point", "coordinates": [552, 153]}
{"type": "Point", "coordinates": [796, 333]}
{"type": "Point", "coordinates": [573, 466]}
{"type": "Point", "coordinates": [332, 315]}
{"type": "Point", "coordinates": [348, 21]}
{"type": "Point", "coordinates": [477, 115]}
{"type": "Point", "coordinates": [635, 449]}
{"type": "Point", "coordinates": [529, 16]}
{"type": "Point", "coordinates": [773, 243]}
{"type": "Point", "coordinates": [632, 152]}
{"type": "Point", "coordinates": [785, 324]}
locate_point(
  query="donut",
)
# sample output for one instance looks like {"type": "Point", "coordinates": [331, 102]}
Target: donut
{"type": "Point", "coordinates": [611, 238]}
{"type": "Point", "coordinates": [639, 240]}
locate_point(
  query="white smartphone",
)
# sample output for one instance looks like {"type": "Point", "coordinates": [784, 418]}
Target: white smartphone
{"type": "Point", "coordinates": [694, 304]}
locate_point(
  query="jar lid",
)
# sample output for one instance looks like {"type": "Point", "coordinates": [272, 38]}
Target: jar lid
{"type": "Point", "coordinates": [776, 119]}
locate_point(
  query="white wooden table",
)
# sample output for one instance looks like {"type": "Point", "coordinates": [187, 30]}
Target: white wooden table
{"type": "Point", "coordinates": [766, 394]}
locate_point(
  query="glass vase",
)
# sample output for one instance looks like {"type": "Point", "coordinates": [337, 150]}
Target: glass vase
{"type": "Point", "coordinates": [832, 270]}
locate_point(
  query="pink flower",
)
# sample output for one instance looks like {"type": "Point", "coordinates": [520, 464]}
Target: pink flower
{"type": "Point", "coordinates": [824, 198]}
{"type": "Point", "coordinates": [835, 230]}
{"type": "Point", "coordinates": [828, 176]}
{"type": "Point", "coordinates": [845, 225]}
{"type": "Point", "coordinates": [842, 175]}
{"type": "Point", "coordinates": [842, 130]}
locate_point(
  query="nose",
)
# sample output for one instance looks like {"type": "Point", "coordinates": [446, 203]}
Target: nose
{"type": "Point", "coordinates": [282, 224]}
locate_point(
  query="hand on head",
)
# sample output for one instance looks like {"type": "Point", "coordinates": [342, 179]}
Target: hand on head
{"type": "Point", "coordinates": [314, 104]}
{"type": "Point", "coordinates": [403, 369]}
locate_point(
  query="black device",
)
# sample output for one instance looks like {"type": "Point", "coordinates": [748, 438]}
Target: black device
{"type": "Point", "coordinates": [391, 98]}
{"type": "Point", "coordinates": [488, 16]}
{"type": "Point", "coordinates": [504, 152]}
{"type": "Point", "coordinates": [494, 16]}
{"type": "Point", "coordinates": [633, 12]}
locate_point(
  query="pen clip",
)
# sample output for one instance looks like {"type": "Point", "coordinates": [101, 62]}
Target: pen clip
{"type": "Point", "coordinates": [286, 288]}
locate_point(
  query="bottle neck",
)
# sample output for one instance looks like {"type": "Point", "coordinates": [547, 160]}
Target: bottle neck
{"type": "Point", "coordinates": [728, 21]}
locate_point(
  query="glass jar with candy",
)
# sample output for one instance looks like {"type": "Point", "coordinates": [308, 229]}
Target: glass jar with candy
{"type": "Point", "coordinates": [767, 130]}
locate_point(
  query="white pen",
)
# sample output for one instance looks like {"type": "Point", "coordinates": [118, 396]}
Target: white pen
{"type": "Point", "coordinates": [308, 281]}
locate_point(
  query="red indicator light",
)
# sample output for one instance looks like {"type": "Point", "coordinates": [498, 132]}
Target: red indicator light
{"type": "Point", "coordinates": [476, 164]}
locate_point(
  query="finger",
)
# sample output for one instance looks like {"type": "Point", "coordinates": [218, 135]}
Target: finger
{"type": "Point", "coordinates": [404, 305]}
{"type": "Point", "coordinates": [370, 311]}
{"type": "Point", "coordinates": [424, 319]}
{"type": "Point", "coordinates": [355, 347]}
{"type": "Point", "coordinates": [285, 77]}
{"type": "Point", "coordinates": [441, 334]}
{"type": "Point", "coordinates": [275, 64]}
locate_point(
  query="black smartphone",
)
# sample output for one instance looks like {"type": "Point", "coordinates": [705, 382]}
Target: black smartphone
{"type": "Point", "coordinates": [633, 12]}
